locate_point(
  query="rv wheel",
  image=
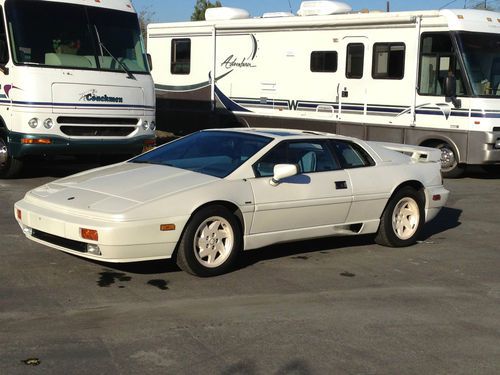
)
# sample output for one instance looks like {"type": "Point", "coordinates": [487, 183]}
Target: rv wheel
{"type": "Point", "coordinates": [450, 168]}
{"type": "Point", "coordinates": [9, 166]}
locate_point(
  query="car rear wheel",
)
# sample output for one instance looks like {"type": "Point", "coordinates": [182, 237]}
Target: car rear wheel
{"type": "Point", "coordinates": [403, 219]}
{"type": "Point", "coordinates": [211, 242]}
{"type": "Point", "coordinates": [9, 166]}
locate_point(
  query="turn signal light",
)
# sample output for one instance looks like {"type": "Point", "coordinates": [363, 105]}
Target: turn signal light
{"type": "Point", "coordinates": [436, 197]}
{"type": "Point", "coordinates": [37, 141]}
{"type": "Point", "coordinates": [19, 214]}
{"type": "Point", "coordinates": [167, 227]}
{"type": "Point", "coordinates": [89, 234]}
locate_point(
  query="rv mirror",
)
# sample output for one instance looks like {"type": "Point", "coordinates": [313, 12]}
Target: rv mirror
{"type": "Point", "coordinates": [150, 61]}
{"type": "Point", "coordinates": [450, 90]}
{"type": "Point", "coordinates": [4, 69]}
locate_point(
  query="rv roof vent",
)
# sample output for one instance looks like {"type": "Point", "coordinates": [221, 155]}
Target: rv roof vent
{"type": "Point", "coordinates": [225, 13]}
{"type": "Point", "coordinates": [323, 8]}
{"type": "Point", "coordinates": [277, 14]}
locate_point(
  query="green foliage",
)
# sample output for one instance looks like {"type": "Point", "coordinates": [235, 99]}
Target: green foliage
{"type": "Point", "coordinates": [200, 8]}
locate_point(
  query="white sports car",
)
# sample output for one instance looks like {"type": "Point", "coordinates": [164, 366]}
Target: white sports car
{"type": "Point", "coordinates": [204, 198]}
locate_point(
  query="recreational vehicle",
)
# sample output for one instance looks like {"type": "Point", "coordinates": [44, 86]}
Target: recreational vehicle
{"type": "Point", "coordinates": [74, 80]}
{"type": "Point", "coordinates": [422, 77]}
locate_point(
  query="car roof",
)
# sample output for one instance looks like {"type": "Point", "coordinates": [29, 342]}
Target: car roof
{"type": "Point", "coordinates": [281, 133]}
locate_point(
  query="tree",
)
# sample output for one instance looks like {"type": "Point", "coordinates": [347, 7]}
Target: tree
{"type": "Point", "coordinates": [486, 5]}
{"type": "Point", "coordinates": [146, 16]}
{"type": "Point", "coordinates": [200, 8]}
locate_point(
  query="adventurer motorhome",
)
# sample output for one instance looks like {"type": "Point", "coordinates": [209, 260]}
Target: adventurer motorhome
{"type": "Point", "coordinates": [422, 77]}
{"type": "Point", "coordinates": [74, 80]}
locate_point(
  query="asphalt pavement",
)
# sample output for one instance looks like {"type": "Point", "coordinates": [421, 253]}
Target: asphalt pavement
{"type": "Point", "coordinates": [329, 306]}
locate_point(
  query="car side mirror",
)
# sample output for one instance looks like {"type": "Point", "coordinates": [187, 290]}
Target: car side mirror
{"type": "Point", "coordinates": [450, 91]}
{"type": "Point", "coordinates": [150, 61]}
{"type": "Point", "coordinates": [282, 171]}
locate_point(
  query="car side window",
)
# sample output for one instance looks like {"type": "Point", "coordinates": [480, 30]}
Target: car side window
{"type": "Point", "coordinates": [310, 156]}
{"type": "Point", "coordinates": [351, 155]}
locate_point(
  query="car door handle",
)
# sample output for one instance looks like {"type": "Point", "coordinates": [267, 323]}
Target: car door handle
{"type": "Point", "coordinates": [339, 185]}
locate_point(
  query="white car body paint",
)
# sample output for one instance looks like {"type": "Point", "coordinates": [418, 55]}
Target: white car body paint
{"type": "Point", "coordinates": [127, 203]}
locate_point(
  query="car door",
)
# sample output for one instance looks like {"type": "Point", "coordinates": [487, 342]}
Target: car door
{"type": "Point", "coordinates": [319, 195]}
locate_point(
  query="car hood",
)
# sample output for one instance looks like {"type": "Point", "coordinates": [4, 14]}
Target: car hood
{"type": "Point", "coordinates": [118, 188]}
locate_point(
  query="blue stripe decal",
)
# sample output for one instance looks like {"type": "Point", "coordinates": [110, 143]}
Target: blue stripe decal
{"type": "Point", "coordinates": [228, 103]}
{"type": "Point", "coordinates": [45, 104]}
{"type": "Point", "coordinates": [435, 111]}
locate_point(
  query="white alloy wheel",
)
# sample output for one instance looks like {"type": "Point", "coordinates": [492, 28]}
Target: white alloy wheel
{"type": "Point", "coordinates": [213, 241]}
{"type": "Point", "coordinates": [405, 218]}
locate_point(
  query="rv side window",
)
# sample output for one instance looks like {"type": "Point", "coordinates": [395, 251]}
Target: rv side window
{"type": "Point", "coordinates": [4, 53]}
{"type": "Point", "coordinates": [355, 58]}
{"type": "Point", "coordinates": [437, 60]}
{"type": "Point", "coordinates": [324, 61]}
{"type": "Point", "coordinates": [388, 61]}
{"type": "Point", "coordinates": [180, 61]}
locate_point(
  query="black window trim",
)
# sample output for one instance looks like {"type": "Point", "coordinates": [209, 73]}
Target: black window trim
{"type": "Point", "coordinates": [369, 161]}
{"type": "Point", "coordinates": [172, 63]}
{"type": "Point", "coordinates": [389, 44]}
{"type": "Point", "coordinates": [347, 60]}
{"type": "Point", "coordinates": [458, 57]}
{"type": "Point", "coordinates": [324, 71]}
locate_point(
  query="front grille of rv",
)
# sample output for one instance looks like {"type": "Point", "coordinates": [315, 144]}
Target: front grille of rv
{"type": "Point", "coordinates": [72, 120]}
{"type": "Point", "coordinates": [97, 131]}
{"type": "Point", "coordinates": [60, 241]}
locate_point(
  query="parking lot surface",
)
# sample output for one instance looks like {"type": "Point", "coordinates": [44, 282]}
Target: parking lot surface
{"type": "Point", "coordinates": [329, 306]}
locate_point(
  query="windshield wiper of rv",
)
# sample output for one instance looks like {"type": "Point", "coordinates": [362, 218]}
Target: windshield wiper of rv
{"type": "Point", "coordinates": [103, 47]}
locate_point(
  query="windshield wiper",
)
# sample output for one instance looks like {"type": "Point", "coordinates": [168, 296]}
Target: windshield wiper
{"type": "Point", "coordinates": [103, 47]}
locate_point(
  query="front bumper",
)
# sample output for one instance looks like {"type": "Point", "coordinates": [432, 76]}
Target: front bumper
{"type": "Point", "coordinates": [483, 147]}
{"type": "Point", "coordinates": [119, 241]}
{"type": "Point", "coordinates": [57, 145]}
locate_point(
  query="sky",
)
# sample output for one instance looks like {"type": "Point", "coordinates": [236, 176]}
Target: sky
{"type": "Point", "coordinates": [181, 10]}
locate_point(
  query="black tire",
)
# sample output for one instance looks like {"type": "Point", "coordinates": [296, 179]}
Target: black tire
{"type": "Point", "coordinates": [221, 252]}
{"type": "Point", "coordinates": [393, 231]}
{"type": "Point", "coordinates": [9, 166]}
{"type": "Point", "coordinates": [450, 167]}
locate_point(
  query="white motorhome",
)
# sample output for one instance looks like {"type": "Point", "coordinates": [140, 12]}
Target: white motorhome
{"type": "Point", "coordinates": [422, 77]}
{"type": "Point", "coordinates": [74, 80]}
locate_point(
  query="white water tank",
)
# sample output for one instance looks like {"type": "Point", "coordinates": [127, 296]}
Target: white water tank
{"type": "Point", "coordinates": [323, 8]}
{"type": "Point", "coordinates": [225, 13]}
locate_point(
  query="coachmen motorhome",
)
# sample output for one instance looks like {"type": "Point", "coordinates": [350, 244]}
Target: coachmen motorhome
{"type": "Point", "coordinates": [423, 77]}
{"type": "Point", "coordinates": [74, 80]}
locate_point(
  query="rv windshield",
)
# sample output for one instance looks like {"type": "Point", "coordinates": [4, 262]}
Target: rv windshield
{"type": "Point", "coordinates": [55, 34]}
{"type": "Point", "coordinates": [481, 54]}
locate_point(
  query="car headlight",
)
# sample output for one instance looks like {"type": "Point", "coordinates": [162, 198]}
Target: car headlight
{"type": "Point", "coordinates": [152, 125]}
{"type": "Point", "coordinates": [33, 123]}
{"type": "Point", "coordinates": [48, 123]}
{"type": "Point", "coordinates": [145, 125]}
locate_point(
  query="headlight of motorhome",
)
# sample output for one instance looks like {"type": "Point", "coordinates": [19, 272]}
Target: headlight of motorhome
{"type": "Point", "coordinates": [48, 123]}
{"type": "Point", "coordinates": [33, 123]}
{"type": "Point", "coordinates": [145, 125]}
{"type": "Point", "coordinates": [152, 125]}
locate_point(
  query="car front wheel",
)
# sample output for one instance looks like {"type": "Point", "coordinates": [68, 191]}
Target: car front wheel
{"type": "Point", "coordinates": [402, 219]}
{"type": "Point", "coordinates": [211, 242]}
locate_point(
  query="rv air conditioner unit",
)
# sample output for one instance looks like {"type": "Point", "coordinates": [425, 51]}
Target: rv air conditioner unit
{"type": "Point", "coordinates": [323, 8]}
{"type": "Point", "coordinates": [225, 13]}
{"type": "Point", "coordinates": [277, 14]}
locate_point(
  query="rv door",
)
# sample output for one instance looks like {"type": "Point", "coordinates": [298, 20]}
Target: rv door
{"type": "Point", "coordinates": [353, 89]}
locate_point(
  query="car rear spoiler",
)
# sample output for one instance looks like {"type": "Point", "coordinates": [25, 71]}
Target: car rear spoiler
{"type": "Point", "coordinates": [418, 153]}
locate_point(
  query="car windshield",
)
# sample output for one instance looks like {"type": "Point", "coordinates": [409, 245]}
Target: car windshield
{"type": "Point", "coordinates": [46, 33]}
{"type": "Point", "coordinates": [215, 153]}
{"type": "Point", "coordinates": [481, 54]}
